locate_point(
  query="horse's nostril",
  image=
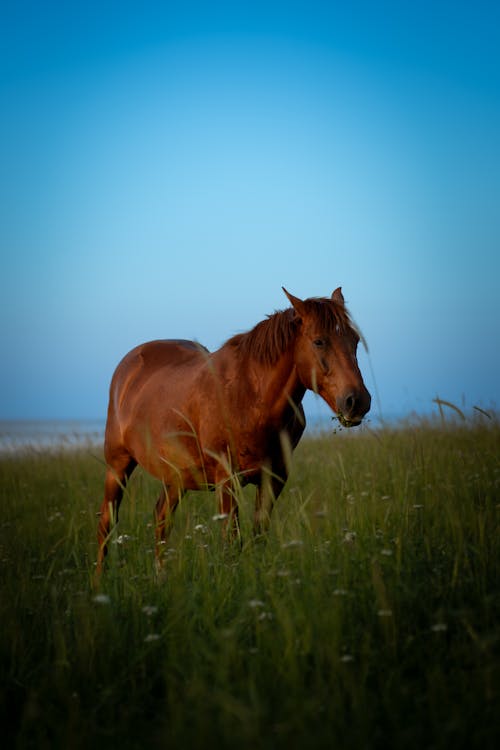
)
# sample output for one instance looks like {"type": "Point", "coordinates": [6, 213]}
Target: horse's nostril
{"type": "Point", "coordinates": [350, 403]}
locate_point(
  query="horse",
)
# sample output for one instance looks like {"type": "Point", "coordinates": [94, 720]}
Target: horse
{"type": "Point", "coordinates": [196, 419]}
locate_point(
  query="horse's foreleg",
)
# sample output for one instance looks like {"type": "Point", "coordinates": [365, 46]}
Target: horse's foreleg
{"type": "Point", "coordinates": [114, 485]}
{"type": "Point", "coordinates": [164, 512]}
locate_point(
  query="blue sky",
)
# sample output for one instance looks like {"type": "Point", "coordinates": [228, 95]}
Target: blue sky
{"type": "Point", "coordinates": [166, 168]}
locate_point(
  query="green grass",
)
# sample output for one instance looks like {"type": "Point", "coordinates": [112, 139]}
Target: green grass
{"type": "Point", "coordinates": [369, 619]}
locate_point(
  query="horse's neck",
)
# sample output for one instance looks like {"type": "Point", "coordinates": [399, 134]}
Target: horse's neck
{"type": "Point", "coordinates": [274, 388]}
{"type": "Point", "coordinates": [280, 386]}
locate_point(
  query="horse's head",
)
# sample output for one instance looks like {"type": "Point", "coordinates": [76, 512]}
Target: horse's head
{"type": "Point", "coordinates": [325, 356]}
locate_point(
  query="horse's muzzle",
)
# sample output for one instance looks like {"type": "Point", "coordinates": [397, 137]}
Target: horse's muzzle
{"type": "Point", "coordinates": [352, 407]}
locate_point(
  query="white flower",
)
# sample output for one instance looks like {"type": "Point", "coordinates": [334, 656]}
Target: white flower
{"type": "Point", "coordinates": [265, 616]}
{"type": "Point", "coordinates": [151, 637]}
{"type": "Point", "coordinates": [255, 603]}
{"type": "Point", "coordinates": [102, 599]}
{"type": "Point", "coordinates": [220, 516]}
{"type": "Point", "coordinates": [292, 543]}
{"type": "Point", "coordinates": [439, 627]}
{"type": "Point", "coordinates": [346, 658]}
{"type": "Point", "coordinates": [385, 613]}
{"type": "Point", "coordinates": [149, 610]}
{"type": "Point", "coordinates": [121, 539]}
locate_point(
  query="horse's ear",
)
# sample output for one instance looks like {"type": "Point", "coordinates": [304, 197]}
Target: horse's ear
{"type": "Point", "coordinates": [296, 303]}
{"type": "Point", "coordinates": [338, 297]}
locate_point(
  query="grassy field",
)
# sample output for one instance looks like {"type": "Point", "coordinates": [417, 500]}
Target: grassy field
{"type": "Point", "coordinates": [369, 619]}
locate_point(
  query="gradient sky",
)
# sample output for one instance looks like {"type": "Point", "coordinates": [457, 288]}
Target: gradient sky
{"type": "Point", "coordinates": [167, 167]}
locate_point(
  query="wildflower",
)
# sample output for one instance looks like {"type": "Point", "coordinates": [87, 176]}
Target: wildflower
{"type": "Point", "coordinates": [149, 610]}
{"type": "Point", "coordinates": [265, 616]}
{"type": "Point", "coordinates": [151, 637]}
{"type": "Point", "coordinates": [386, 552]}
{"type": "Point", "coordinates": [340, 592]}
{"type": "Point", "coordinates": [255, 603]}
{"type": "Point", "coordinates": [385, 613]}
{"type": "Point", "coordinates": [121, 539]}
{"type": "Point", "coordinates": [220, 516]}
{"type": "Point", "coordinates": [349, 537]}
{"type": "Point", "coordinates": [201, 528]}
{"type": "Point", "coordinates": [292, 543]}
{"type": "Point", "coordinates": [102, 599]}
{"type": "Point", "coordinates": [346, 658]}
{"type": "Point", "coordinates": [439, 627]}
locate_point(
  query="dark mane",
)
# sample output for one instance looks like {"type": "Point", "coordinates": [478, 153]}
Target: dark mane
{"type": "Point", "coordinates": [270, 338]}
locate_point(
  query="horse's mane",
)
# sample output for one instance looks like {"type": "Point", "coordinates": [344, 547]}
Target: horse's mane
{"type": "Point", "coordinates": [270, 338]}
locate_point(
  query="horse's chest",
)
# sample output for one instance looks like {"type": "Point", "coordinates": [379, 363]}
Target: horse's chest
{"type": "Point", "coordinates": [256, 448]}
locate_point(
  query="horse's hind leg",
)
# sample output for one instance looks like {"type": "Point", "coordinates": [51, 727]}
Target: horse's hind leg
{"type": "Point", "coordinates": [271, 485]}
{"type": "Point", "coordinates": [114, 484]}
{"type": "Point", "coordinates": [228, 507]}
{"type": "Point", "coordinates": [164, 512]}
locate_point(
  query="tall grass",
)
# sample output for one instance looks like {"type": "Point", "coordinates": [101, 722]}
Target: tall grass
{"type": "Point", "coordinates": [369, 618]}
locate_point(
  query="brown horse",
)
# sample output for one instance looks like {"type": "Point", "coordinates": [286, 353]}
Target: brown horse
{"type": "Point", "coordinates": [196, 419]}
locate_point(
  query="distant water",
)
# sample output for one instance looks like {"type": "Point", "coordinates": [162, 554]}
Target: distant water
{"type": "Point", "coordinates": [52, 433]}
{"type": "Point", "coordinates": [72, 433]}
{"type": "Point", "coordinates": [76, 433]}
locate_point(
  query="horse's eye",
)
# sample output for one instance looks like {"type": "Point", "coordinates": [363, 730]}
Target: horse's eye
{"type": "Point", "coordinates": [318, 342]}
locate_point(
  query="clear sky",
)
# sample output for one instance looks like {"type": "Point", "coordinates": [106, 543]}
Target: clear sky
{"type": "Point", "coordinates": [167, 167]}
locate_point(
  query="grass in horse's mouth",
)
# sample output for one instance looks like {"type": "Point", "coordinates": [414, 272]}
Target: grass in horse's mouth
{"type": "Point", "coordinates": [347, 422]}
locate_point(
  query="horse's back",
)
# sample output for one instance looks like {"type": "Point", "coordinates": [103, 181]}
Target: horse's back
{"type": "Point", "coordinates": [163, 352]}
{"type": "Point", "coordinates": [143, 376]}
